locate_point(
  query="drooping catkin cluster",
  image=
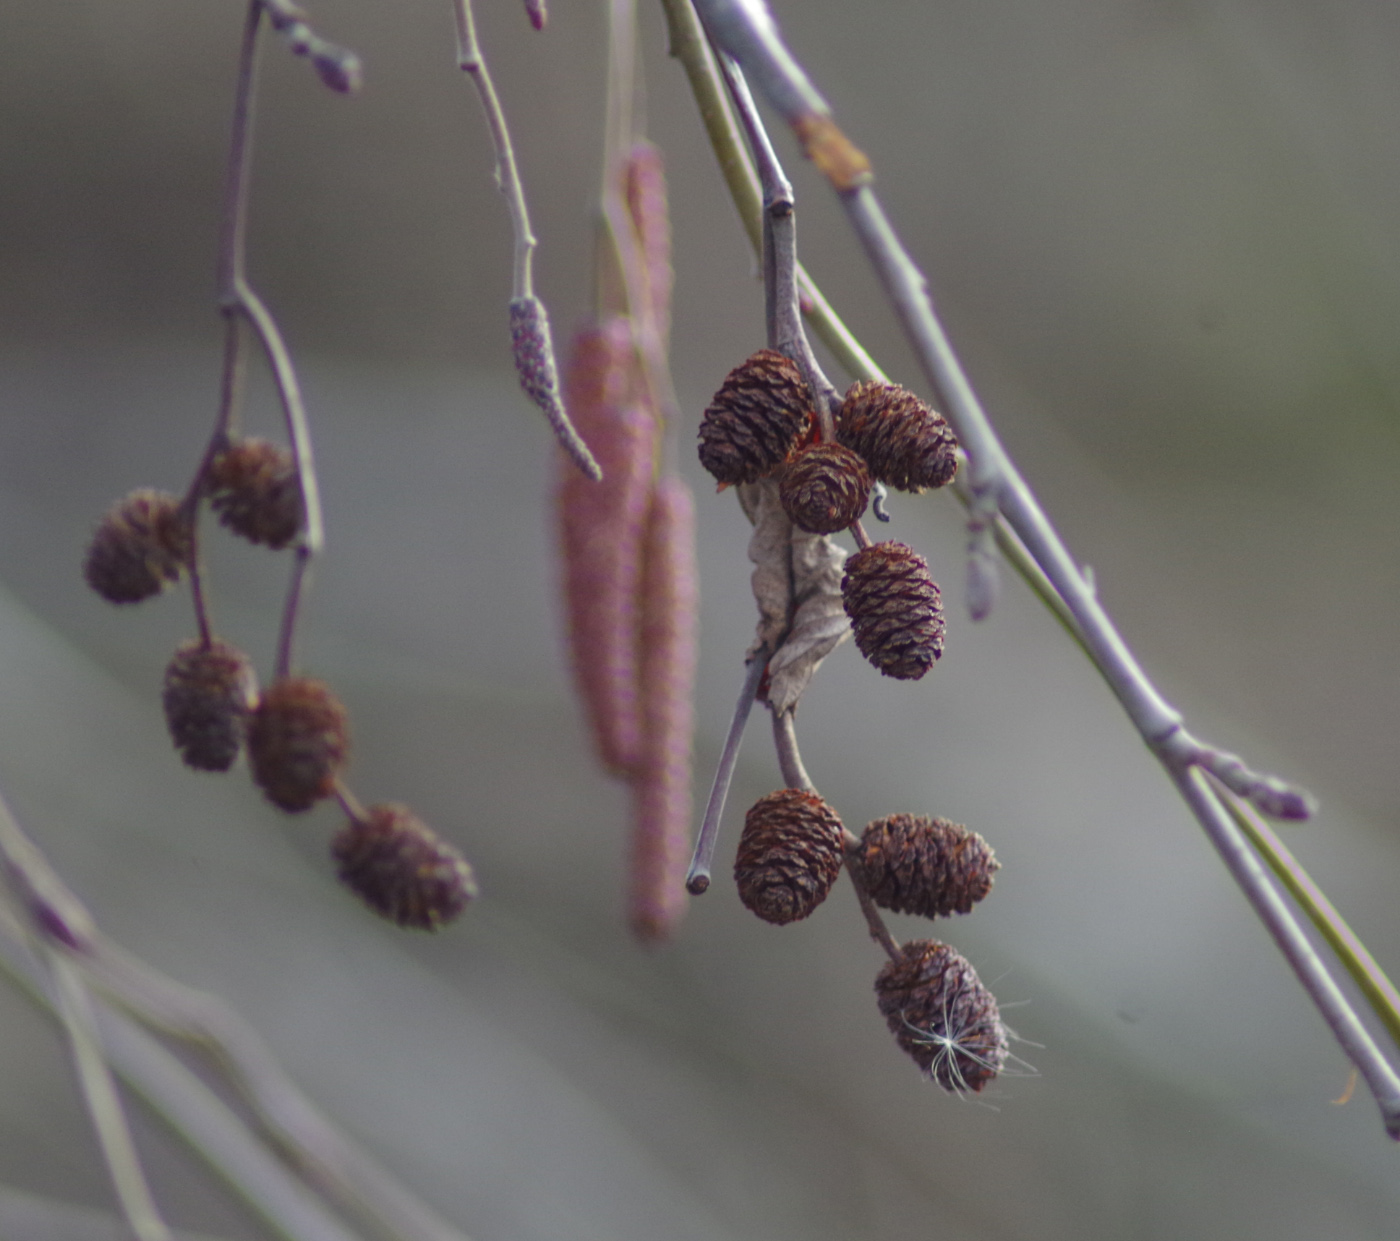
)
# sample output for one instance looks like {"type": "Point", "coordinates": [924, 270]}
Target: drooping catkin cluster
{"type": "Point", "coordinates": [762, 422]}
{"type": "Point", "coordinates": [627, 547]}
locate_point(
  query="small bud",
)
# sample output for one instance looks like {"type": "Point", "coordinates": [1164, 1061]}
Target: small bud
{"type": "Point", "coordinates": [942, 1016]}
{"type": "Point", "coordinates": [906, 444]}
{"type": "Point", "coordinates": [253, 486]}
{"type": "Point", "coordinates": [142, 545]}
{"type": "Point", "coordinates": [758, 416]}
{"type": "Point", "coordinates": [925, 866]}
{"type": "Point", "coordinates": [402, 869]}
{"type": "Point", "coordinates": [209, 693]}
{"type": "Point", "coordinates": [537, 13]}
{"type": "Point", "coordinates": [789, 855]}
{"type": "Point", "coordinates": [895, 609]}
{"type": "Point", "coordinates": [298, 740]}
{"type": "Point", "coordinates": [825, 488]}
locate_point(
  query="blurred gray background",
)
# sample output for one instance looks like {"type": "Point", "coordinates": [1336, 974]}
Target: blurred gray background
{"type": "Point", "coordinates": [1165, 236]}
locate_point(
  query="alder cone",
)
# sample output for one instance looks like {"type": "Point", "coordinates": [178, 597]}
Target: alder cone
{"type": "Point", "coordinates": [208, 695]}
{"type": "Point", "coordinates": [825, 488]}
{"type": "Point", "coordinates": [298, 740]}
{"type": "Point", "coordinates": [758, 416]}
{"type": "Point", "coordinates": [906, 443]}
{"type": "Point", "coordinates": [789, 855]}
{"type": "Point", "coordinates": [942, 1016]}
{"type": "Point", "coordinates": [143, 544]}
{"type": "Point", "coordinates": [402, 869]}
{"type": "Point", "coordinates": [931, 867]}
{"type": "Point", "coordinates": [253, 486]}
{"type": "Point", "coordinates": [895, 608]}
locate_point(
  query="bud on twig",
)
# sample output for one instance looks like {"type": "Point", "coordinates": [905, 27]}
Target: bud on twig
{"type": "Point", "coordinates": [143, 544]}
{"type": "Point", "coordinates": [757, 418]}
{"type": "Point", "coordinates": [402, 869]}
{"type": "Point", "coordinates": [942, 1016]}
{"type": "Point", "coordinates": [825, 488]}
{"type": "Point", "coordinates": [905, 442]}
{"type": "Point", "coordinates": [895, 609]}
{"type": "Point", "coordinates": [661, 838]}
{"type": "Point", "coordinates": [253, 486]}
{"type": "Point", "coordinates": [298, 740]}
{"type": "Point", "coordinates": [789, 855]}
{"type": "Point", "coordinates": [930, 867]}
{"type": "Point", "coordinates": [600, 537]}
{"type": "Point", "coordinates": [210, 690]}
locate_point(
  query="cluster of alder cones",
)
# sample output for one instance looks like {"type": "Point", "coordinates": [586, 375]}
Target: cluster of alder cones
{"type": "Point", "coordinates": [792, 849]}
{"type": "Point", "coordinates": [762, 422]}
{"type": "Point", "coordinates": [295, 731]}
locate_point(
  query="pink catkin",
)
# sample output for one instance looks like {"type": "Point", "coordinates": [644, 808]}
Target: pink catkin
{"type": "Point", "coordinates": [644, 182]}
{"type": "Point", "coordinates": [661, 789]}
{"type": "Point", "coordinates": [600, 536]}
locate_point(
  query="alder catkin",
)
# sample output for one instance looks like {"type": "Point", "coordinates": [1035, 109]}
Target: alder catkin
{"type": "Point", "coordinates": [402, 869]}
{"type": "Point", "coordinates": [644, 186]}
{"type": "Point", "coordinates": [600, 527]}
{"type": "Point", "coordinates": [790, 854]}
{"type": "Point", "coordinates": [825, 488]}
{"type": "Point", "coordinates": [895, 608]}
{"type": "Point", "coordinates": [661, 789]}
{"type": "Point", "coordinates": [143, 544]}
{"type": "Point", "coordinates": [253, 487]}
{"type": "Point", "coordinates": [209, 692]}
{"type": "Point", "coordinates": [905, 442]}
{"type": "Point", "coordinates": [942, 1016]}
{"type": "Point", "coordinates": [298, 741]}
{"type": "Point", "coordinates": [930, 867]}
{"type": "Point", "coordinates": [756, 419]}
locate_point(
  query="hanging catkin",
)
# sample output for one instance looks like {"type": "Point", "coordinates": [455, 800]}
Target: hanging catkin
{"type": "Point", "coordinates": [600, 536]}
{"type": "Point", "coordinates": [661, 788]}
{"type": "Point", "coordinates": [644, 183]}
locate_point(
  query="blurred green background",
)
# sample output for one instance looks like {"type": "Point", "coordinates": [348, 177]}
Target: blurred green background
{"type": "Point", "coordinates": [1165, 237]}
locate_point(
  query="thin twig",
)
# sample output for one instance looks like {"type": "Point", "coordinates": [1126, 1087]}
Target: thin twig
{"type": "Point", "coordinates": [789, 756]}
{"type": "Point", "coordinates": [104, 1106]}
{"type": "Point", "coordinates": [879, 932]}
{"type": "Point", "coordinates": [697, 879]}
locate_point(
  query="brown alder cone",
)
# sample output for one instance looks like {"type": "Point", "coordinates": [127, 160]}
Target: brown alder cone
{"type": "Point", "coordinates": [895, 608]}
{"type": "Point", "coordinates": [906, 443]}
{"type": "Point", "coordinates": [402, 869]}
{"type": "Point", "coordinates": [209, 693]}
{"type": "Point", "coordinates": [758, 416]}
{"type": "Point", "coordinates": [825, 488]}
{"type": "Point", "coordinates": [142, 545]}
{"type": "Point", "coordinates": [661, 787]}
{"type": "Point", "coordinates": [930, 867]}
{"type": "Point", "coordinates": [253, 487]}
{"type": "Point", "coordinates": [298, 740]}
{"type": "Point", "coordinates": [600, 527]}
{"type": "Point", "coordinates": [942, 1016]}
{"type": "Point", "coordinates": [789, 855]}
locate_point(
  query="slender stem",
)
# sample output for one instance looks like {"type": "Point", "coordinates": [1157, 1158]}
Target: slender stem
{"type": "Point", "coordinates": [74, 1008]}
{"type": "Point", "coordinates": [789, 756]}
{"type": "Point", "coordinates": [1379, 991]}
{"type": "Point", "coordinates": [233, 236]}
{"type": "Point", "coordinates": [697, 878]}
{"type": "Point", "coordinates": [858, 533]}
{"type": "Point", "coordinates": [471, 62]}
{"type": "Point", "coordinates": [879, 932]}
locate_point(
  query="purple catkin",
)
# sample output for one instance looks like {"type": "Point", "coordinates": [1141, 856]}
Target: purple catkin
{"type": "Point", "coordinates": [600, 536]}
{"type": "Point", "coordinates": [661, 790]}
{"type": "Point", "coordinates": [644, 182]}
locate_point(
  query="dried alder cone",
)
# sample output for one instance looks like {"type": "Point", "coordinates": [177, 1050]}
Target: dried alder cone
{"type": "Point", "coordinates": [942, 1016]}
{"type": "Point", "coordinates": [930, 867]}
{"type": "Point", "coordinates": [757, 418]}
{"type": "Point", "coordinates": [905, 443]}
{"type": "Point", "coordinates": [143, 544]}
{"type": "Point", "coordinates": [402, 869]}
{"type": "Point", "coordinates": [209, 693]}
{"type": "Point", "coordinates": [895, 608]}
{"type": "Point", "coordinates": [298, 740]}
{"type": "Point", "coordinates": [253, 487]}
{"type": "Point", "coordinates": [825, 488]}
{"type": "Point", "coordinates": [789, 855]}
